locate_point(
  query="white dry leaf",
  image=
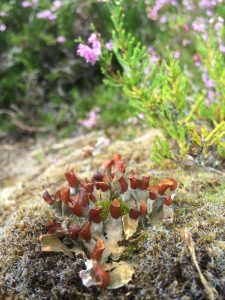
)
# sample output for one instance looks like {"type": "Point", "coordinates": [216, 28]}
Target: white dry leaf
{"type": "Point", "coordinates": [129, 226]}
{"type": "Point", "coordinates": [114, 230]}
{"type": "Point", "coordinates": [51, 243]}
{"type": "Point", "coordinates": [86, 275]}
{"type": "Point", "coordinates": [120, 275]}
{"type": "Point", "coordinates": [96, 230]}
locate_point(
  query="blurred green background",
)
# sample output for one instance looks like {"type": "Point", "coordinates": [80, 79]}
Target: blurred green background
{"type": "Point", "coordinates": [46, 87]}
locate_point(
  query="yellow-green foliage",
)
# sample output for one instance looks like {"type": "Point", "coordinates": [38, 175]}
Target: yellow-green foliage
{"type": "Point", "coordinates": [162, 91]}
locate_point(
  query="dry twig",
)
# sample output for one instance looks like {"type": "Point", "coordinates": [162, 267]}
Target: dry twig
{"type": "Point", "coordinates": [187, 237]}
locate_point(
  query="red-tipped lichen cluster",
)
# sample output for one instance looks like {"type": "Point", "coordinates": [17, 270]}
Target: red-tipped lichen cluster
{"type": "Point", "coordinates": [129, 198]}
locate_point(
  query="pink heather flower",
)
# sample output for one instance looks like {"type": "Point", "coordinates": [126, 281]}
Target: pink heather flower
{"type": "Point", "coordinates": [207, 4]}
{"type": "Point", "coordinates": [26, 4]}
{"type": "Point", "coordinates": [196, 59]}
{"type": "Point", "coordinates": [150, 49]}
{"type": "Point", "coordinates": [152, 13]}
{"type": "Point", "coordinates": [94, 41]}
{"type": "Point", "coordinates": [163, 19]}
{"type": "Point", "coordinates": [90, 54]}
{"type": "Point", "coordinates": [219, 24]}
{"type": "Point", "coordinates": [87, 53]}
{"type": "Point", "coordinates": [46, 15]}
{"type": "Point", "coordinates": [188, 5]}
{"type": "Point", "coordinates": [154, 58]}
{"type": "Point", "coordinates": [208, 82]}
{"type": "Point", "coordinates": [61, 39]}
{"type": "Point", "coordinates": [2, 27]}
{"type": "Point", "coordinates": [177, 54]}
{"type": "Point", "coordinates": [109, 45]}
{"type": "Point", "coordinates": [222, 48]}
{"type": "Point", "coordinates": [91, 121]}
{"type": "Point", "coordinates": [199, 25]}
{"type": "Point", "coordinates": [56, 5]}
{"type": "Point", "coordinates": [210, 97]}
{"type": "Point", "coordinates": [147, 71]}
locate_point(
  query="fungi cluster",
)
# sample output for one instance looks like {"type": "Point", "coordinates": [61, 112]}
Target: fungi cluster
{"type": "Point", "coordinates": [101, 212]}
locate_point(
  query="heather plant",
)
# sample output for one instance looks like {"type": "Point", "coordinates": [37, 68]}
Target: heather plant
{"type": "Point", "coordinates": [160, 88]}
{"type": "Point", "coordinates": [39, 70]}
{"type": "Point", "coordinates": [98, 215]}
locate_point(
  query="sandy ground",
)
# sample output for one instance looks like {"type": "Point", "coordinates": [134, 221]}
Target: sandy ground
{"type": "Point", "coordinates": [166, 269]}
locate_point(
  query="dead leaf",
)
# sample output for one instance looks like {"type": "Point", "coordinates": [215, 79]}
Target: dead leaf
{"type": "Point", "coordinates": [187, 237]}
{"type": "Point", "coordinates": [114, 230]}
{"type": "Point", "coordinates": [129, 226]}
{"type": "Point", "coordinates": [51, 243]}
{"type": "Point", "coordinates": [120, 275]}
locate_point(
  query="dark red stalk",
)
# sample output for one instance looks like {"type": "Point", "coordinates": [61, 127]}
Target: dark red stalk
{"type": "Point", "coordinates": [72, 179]}
{"type": "Point", "coordinates": [85, 231]}
{"type": "Point", "coordinates": [123, 184]}
{"type": "Point", "coordinates": [98, 249]}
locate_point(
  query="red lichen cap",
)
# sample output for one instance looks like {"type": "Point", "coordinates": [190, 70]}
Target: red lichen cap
{"type": "Point", "coordinates": [98, 177]}
{"type": "Point", "coordinates": [143, 207]}
{"type": "Point", "coordinates": [103, 186]}
{"type": "Point", "coordinates": [85, 231]}
{"type": "Point", "coordinates": [74, 205]}
{"type": "Point", "coordinates": [52, 226]}
{"type": "Point", "coordinates": [153, 190]}
{"type": "Point", "coordinates": [172, 183]}
{"type": "Point", "coordinates": [134, 182]}
{"type": "Point", "coordinates": [89, 187]}
{"type": "Point", "coordinates": [107, 164]}
{"type": "Point", "coordinates": [134, 214]}
{"type": "Point", "coordinates": [144, 183]}
{"type": "Point", "coordinates": [168, 183]}
{"type": "Point", "coordinates": [95, 214]}
{"type": "Point", "coordinates": [83, 198]}
{"type": "Point", "coordinates": [64, 194]}
{"type": "Point", "coordinates": [123, 184]}
{"type": "Point", "coordinates": [73, 231]}
{"type": "Point", "coordinates": [48, 198]}
{"type": "Point", "coordinates": [167, 200]}
{"type": "Point", "coordinates": [101, 276]}
{"type": "Point", "coordinates": [98, 249]}
{"type": "Point", "coordinates": [72, 178]}
{"type": "Point", "coordinates": [115, 209]}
